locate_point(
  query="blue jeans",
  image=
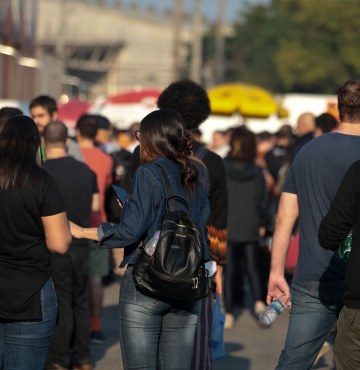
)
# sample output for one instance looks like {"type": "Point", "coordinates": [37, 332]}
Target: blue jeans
{"type": "Point", "coordinates": [314, 311]}
{"type": "Point", "coordinates": [155, 333]}
{"type": "Point", "coordinates": [24, 344]}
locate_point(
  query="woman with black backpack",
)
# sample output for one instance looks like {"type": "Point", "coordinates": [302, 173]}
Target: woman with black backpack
{"type": "Point", "coordinates": [156, 332]}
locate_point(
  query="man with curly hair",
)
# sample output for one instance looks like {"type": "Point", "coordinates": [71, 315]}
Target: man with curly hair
{"type": "Point", "coordinates": [189, 99]}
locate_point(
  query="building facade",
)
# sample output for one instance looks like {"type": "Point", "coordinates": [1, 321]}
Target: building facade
{"type": "Point", "coordinates": [19, 70]}
{"type": "Point", "coordinates": [94, 49]}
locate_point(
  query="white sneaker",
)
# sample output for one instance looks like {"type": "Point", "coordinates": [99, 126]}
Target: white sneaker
{"type": "Point", "coordinates": [229, 321]}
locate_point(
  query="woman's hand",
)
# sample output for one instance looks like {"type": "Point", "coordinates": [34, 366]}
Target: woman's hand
{"type": "Point", "coordinates": [76, 230]}
{"type": "Point", "coordinates": [83, 232]}
{"type": "Point", "coordinates": [218, 280]}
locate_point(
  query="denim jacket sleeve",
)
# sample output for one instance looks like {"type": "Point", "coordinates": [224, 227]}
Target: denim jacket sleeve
{"type": "Point", "coordinates": [138, 213]}
{"type": "Point", "coordinates": [143, 211]}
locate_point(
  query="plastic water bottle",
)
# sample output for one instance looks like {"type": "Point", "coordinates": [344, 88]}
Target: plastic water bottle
{"type": "Point", "coordinates": [150, 246]}
{"type": "Point", "coordinates": [272, 311]}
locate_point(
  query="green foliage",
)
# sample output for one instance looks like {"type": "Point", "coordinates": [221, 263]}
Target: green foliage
{"type": "Point", "coordinates": [296, 45]}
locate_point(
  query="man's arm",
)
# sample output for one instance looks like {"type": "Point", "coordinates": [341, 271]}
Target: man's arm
{"type": "Point", "coordinates": [287, 214]}
{"type": "Point", "coordinates": [57, 232]}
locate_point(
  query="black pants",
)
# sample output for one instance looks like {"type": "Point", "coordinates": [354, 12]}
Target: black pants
{"type": "Point", "coordinates": [244, 256]}
{"type": "Point", "coordinates": [69, 274]}
{"type": "Point", "coordinates": [201, 359]}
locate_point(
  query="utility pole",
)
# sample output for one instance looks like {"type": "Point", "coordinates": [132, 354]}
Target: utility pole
{"type": "Point", "coordinates": [197, 43]}
{"type": "Point", "coordinates": [60, 48]}
{"type": "Point", "coordinates": [219, 43]}
{"type": "Point", "coordinates": [178, 5]}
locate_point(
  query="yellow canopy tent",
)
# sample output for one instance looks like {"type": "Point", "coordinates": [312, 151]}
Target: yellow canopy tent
{"type": "Point", "coordinates": [246, 99]}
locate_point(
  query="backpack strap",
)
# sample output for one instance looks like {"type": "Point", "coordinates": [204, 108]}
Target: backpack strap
{"type": "Point", "coordinates": [171, 198]}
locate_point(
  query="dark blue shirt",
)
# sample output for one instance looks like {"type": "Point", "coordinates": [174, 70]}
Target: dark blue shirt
{"type": "Point", "coordinates": [314, 177]}
{"type": "Point", "coordinates": [143, 211]}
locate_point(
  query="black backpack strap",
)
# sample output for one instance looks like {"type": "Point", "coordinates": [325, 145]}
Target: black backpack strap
{"type": "Point", "coordinates": [171, 198]}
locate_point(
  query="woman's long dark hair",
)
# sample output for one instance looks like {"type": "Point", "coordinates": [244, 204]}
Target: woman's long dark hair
{"type": "Point", "coordinates": [243, 145]}
{"type": "Point", "coordinates": [163, 135]}
{"type": "Point", "coordinates": [19, 144]}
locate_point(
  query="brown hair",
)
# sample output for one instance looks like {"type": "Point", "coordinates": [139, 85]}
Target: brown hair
{"type": "Point", "coordinates": [243, 145]}
{"type": "Point", "coordinates": [19, 145]}
{"type": "Point", "coordinates": [349, 101]}
{"type": "Point", "coordinates": [163, 135]}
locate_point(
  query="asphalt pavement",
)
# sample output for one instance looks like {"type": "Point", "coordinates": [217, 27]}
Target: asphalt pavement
{"type": "Point", "coordinates": [248, 346]}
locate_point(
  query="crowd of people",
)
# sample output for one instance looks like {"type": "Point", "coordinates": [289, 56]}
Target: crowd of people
{"type": "Point", "coordinates": [249, 194]}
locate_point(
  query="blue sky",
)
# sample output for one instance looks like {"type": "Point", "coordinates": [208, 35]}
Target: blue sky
{"type": "Point", "coordinates": [232, 7]}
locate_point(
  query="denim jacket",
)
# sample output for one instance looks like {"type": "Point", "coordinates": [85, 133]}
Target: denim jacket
{"type": "Point", "coordinates": [143, 210]}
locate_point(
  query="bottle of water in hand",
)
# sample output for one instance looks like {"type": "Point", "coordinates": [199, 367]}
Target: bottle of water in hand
{"type": "Point", "coordinates": [271, 312]}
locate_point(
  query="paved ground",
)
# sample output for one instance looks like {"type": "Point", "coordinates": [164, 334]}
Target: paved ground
{"type": "Point", "coordinates": [248, 347]}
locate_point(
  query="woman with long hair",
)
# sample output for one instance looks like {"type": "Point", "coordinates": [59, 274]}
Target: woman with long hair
{"type": "Point", "coordinates": [246, 219]}
{"type": "Point", "coordinates": [33, 222]}
{"type": "Point", "coordinates": [155, 333]}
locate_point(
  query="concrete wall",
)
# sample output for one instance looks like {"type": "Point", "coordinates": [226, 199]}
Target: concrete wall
{"type": "Point", "coordinates": [146, 55]}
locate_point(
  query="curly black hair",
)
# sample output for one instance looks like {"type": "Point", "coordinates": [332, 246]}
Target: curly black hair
{"type": "Point", "coordinates": [187, 98]}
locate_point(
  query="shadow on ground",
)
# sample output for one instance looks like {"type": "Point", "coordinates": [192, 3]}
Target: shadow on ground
{"type": "Point", "coordinates": [110, 331]}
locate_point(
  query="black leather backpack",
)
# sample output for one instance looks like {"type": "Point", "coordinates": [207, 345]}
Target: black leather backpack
{"type": "Point", "coordinates": [176, 269]}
